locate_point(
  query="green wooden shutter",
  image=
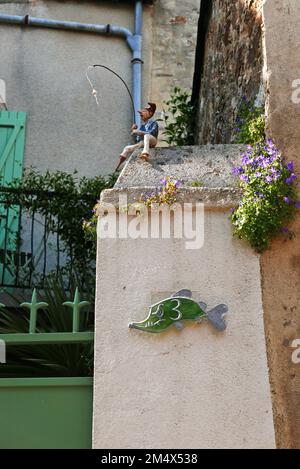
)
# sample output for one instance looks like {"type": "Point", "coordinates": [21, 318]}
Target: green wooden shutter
{"type": "Point", "coordinates": [12, 139]}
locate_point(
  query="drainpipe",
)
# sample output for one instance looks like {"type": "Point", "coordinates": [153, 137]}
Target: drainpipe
{"type": "Point", "coordinates": [137, 60]}
{"type": "Point", "coordinates": [134, 41]}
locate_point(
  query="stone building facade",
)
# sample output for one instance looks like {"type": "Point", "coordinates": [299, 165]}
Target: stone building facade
{"type": "Point", "coordinates": [232, 67]}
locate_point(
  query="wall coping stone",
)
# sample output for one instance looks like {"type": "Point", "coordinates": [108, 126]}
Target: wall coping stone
{"type": "Point", "coordinates": [209, 164]}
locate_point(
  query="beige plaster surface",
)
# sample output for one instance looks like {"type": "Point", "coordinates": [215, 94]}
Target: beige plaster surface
{"type": "Point", "coordinates": [281, 265]}
{"type": "Point", "coordinates": [191, 389]}
{"type": "Point", "coordinates": [44, 71]}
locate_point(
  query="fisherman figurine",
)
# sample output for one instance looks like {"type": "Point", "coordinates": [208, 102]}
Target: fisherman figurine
{"type": "Point", "coordinates": [146, 135]}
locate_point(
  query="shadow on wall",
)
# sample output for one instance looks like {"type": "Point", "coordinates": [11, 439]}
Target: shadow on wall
{"type": "Point", "coordinates": [231, 66]}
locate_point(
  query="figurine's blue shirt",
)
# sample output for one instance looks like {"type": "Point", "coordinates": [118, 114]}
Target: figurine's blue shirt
{"type": "Point", "coordinates": [150, 127]}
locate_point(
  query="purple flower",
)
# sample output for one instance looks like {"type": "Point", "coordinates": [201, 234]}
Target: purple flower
{"type": "Point", "coordinates": [287, 200]}
{"type": "Point", "coordinates": [285, 229]}
{"type": "Point", "coordinates": [297, 204]}
{"type": "Point", "coordinates": [232, 210]}
{"type": "Point", "coordinates": [266, 162]}
{"type": "Point", "coordinates": [237, 171]}
{"type": "Point", "coordinates": [245, 159]}
{"type": "Point", "coordinates": [177, 184]}
{"type": "Point", "coordinates": [244, 178]}
{"type": "Point", "coordinates": [289, 181]}
{"type": "Point", "coordinates": [273, 170]}
{"type": "Point", "coordinates": [290, 166]}
{"type": "Point", "coordinates": [258, 174]}
{"type": "Point", "coordinates": [269, 179]}
{"type": "Point", "coordinates": [163, 181]}
{"type": "Point", "coordinates": [293, 176]}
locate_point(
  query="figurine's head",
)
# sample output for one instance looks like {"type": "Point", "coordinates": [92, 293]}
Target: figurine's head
{"type": "Point", "coordinates": [147, 111]}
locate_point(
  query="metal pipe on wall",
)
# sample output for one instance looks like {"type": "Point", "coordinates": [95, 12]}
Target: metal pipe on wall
{"type": "Point", "coordinates": [137, 60]}
{"type": "Point", "coordinates": [134, 41]}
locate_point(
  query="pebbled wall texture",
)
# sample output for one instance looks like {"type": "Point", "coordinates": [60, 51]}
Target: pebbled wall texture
{"type": "Point", "coordinates": [232, 67]}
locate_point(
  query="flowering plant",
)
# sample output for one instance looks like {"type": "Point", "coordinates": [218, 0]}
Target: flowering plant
{"type": "Point", "coordinates": [269, 196]}
{"type": "Point", "coordinates": [165, 194]}
{"type": "Point", "coordinates": [250, 123]}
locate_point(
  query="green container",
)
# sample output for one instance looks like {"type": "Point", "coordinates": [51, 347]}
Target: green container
{"type": "Point", "coordinates": [46, 413]}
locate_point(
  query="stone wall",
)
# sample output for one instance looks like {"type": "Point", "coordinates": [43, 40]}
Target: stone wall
{"type": "Point", "coordinates": [232, 67]}
{"type": "Point", "coordinates": [174, 40]}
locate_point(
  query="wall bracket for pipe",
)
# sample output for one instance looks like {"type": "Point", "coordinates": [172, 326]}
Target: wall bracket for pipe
{"type": "Point", "coordinates": [137, 61]}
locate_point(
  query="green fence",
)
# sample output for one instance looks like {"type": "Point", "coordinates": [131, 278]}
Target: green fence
{"type": "Point", "coordinates": [47, 412]}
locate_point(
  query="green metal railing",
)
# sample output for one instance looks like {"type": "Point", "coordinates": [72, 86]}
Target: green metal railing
{"type": "Point", "coordinates": [34, 337]}
{"type": "Point", "coordinates": [47, 412]}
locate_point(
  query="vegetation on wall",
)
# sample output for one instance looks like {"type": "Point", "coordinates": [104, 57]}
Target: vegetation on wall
{"type": "Point", "coordinates": [179, 118]}
{"type": "Point", "coordinates": [268, 184]}
{"type": "Point", "coordinates": [65, 201]}
{"type": "Point", "coordinates": [165, 194]}
{"type": "Point", "coordinates": [250, 123]}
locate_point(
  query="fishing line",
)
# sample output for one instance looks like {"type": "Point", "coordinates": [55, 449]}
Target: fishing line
{"type": "Point", "coordinates": [95, 93]}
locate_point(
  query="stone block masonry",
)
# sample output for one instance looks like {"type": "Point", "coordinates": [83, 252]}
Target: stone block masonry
{"type": "Point", "coordinates": [232, 67]}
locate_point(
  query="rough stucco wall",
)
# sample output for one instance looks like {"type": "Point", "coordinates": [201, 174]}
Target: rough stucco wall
{"type": "Point", "coordinates": [174, 40]}
{"type": "Point", "coordinates": [44, 72]}
{"type": "Point", "coordinates": [191, 389]}
{"type": "Point", "coordinates": [281, 265]}
{"type": "Point", "coordinates": [232, 67]}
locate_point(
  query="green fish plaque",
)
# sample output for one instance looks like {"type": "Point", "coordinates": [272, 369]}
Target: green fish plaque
{"type": "Point", "coordinates": [180, 307]}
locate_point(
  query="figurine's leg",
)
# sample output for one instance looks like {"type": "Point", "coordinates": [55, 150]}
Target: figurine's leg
{"type": "Point", "coordinates": [149, 141]}
{"type": "Point", "coordinates": [127, 151]}
{"type": "Point", "coordinates": [130, 149]}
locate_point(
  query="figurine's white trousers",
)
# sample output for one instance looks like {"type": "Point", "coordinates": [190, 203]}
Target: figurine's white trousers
{"type": "Point", "coordinates": [147, 142]}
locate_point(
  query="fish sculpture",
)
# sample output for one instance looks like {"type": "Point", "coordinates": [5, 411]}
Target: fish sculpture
{"type": "Point", "coordinates": [180, 307]}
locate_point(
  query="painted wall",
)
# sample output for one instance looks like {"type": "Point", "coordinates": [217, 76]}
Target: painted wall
{"type": "Point", "coordinates": [232, 68]}
{"type": "Point", "coordinates": [45, 75]}
{"type": "Point", "coordinates": [281, 265]}
{"type": "Point", "coordinates": [45, 70]}
{"type": "Point", "coordinates": [191, 389]}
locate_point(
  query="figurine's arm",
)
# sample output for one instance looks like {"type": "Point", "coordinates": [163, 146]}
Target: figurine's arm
{"type": "Point", "coordinates": [140, 133]}
{"type": "Point", "coordinates": [152, 131]}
